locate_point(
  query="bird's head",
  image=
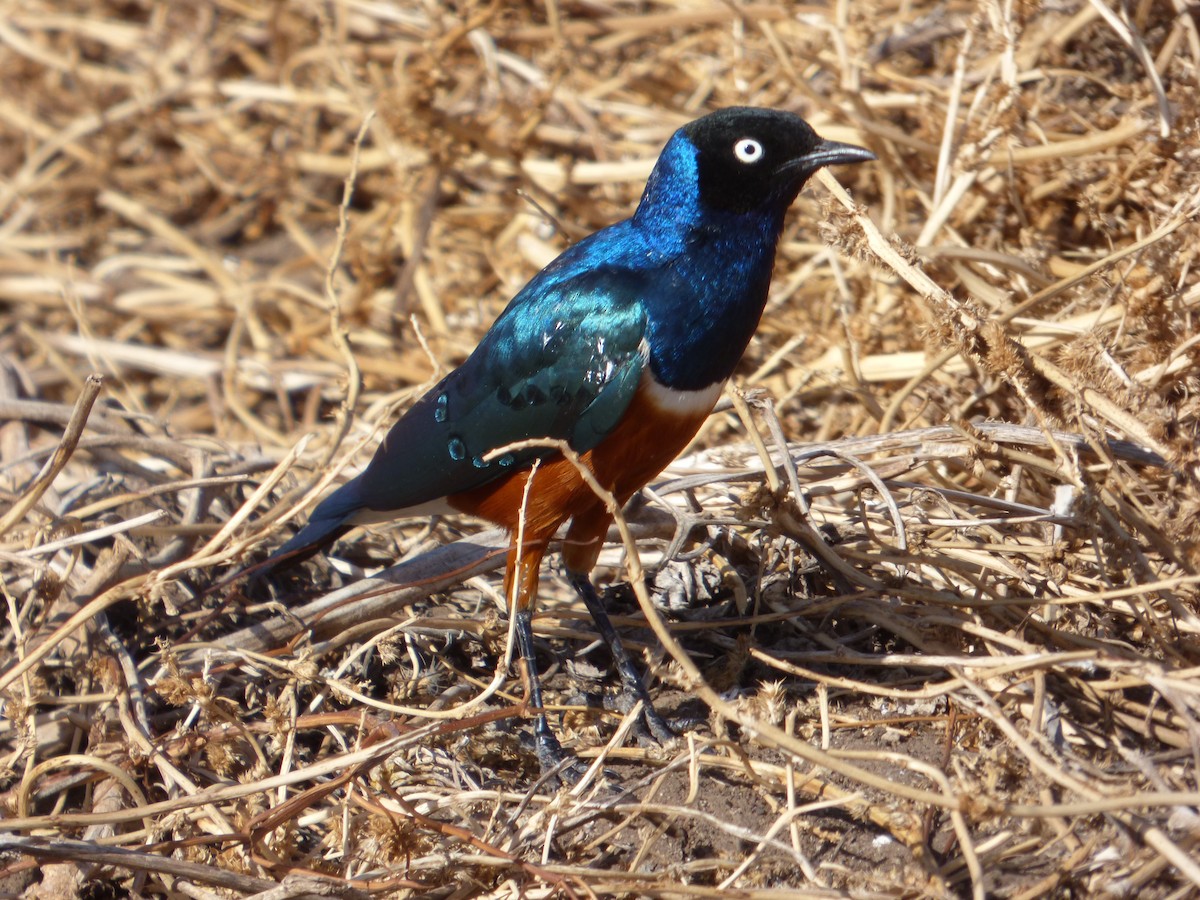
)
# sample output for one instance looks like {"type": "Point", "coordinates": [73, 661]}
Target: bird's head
{"type": "Point", "coordinates": [745, 159]}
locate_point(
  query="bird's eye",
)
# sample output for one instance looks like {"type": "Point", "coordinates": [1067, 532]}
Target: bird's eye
{"type": "Point", "coordinates": [748, 150]}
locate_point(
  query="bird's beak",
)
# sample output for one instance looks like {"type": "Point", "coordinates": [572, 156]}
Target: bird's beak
{"type": "Point", "coordinates": [833, 153]}
{"type": "Point", "coordinates": [829, 153]}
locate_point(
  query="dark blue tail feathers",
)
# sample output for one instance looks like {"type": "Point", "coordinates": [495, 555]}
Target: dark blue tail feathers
{"type": "Point", "coordinates": [332, 518]}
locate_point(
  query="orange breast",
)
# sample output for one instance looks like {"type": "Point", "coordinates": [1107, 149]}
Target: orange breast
{"type": "Point", "coordinates": [650, 435]}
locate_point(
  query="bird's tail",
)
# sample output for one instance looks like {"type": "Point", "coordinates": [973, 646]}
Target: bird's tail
{"type": "Point", "coordinates": [332, 518]}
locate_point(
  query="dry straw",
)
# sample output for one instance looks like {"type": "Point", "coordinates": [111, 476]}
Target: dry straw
{"type": "Point", "coordinates": [928, 577]}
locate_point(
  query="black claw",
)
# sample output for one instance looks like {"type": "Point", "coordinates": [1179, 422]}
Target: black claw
{"type": "Point", "coordinates": [651, 726]}
{"type": "Point", "coordinates": [657, 726]}
{"type": "Point", "coordinates": [556, 763]}
{"type": "Point", "coordinates": [549, 752]}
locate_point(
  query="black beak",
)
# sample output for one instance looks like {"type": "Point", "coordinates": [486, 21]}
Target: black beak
{"type": "Point", "coordinates": [826, 153]}
{"type": "Point", "coordinates": [829, 153]}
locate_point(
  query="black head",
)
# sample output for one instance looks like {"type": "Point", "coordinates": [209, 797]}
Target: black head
{"type": "Point", "coordinates": [749, 158]}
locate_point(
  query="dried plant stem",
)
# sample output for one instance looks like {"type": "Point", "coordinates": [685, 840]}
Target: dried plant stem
{"type": "Point", "coordinates": [54, 465]}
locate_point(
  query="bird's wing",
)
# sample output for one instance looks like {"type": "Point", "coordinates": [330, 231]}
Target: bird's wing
{"type": "Point", "coordinates": [562, 362]}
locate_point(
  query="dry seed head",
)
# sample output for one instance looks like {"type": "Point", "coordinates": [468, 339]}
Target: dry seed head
{"type": "Point", "coordinates": [222, 758]}
{"type": "Point", "coordinates": [773, 700]}
{"type": "Point", "coordinates": [1002, 356]}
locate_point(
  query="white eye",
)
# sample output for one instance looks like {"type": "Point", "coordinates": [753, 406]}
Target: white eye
{"type": "Point", "coordinates": [748, 150]}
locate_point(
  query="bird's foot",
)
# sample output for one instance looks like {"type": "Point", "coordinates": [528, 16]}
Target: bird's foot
{"type": "Point", "coordinates": [657, 725]}
{"type": "Point", "coordinates": [556, 762]}
{"type": "Point", "coordinates": [652, 726]}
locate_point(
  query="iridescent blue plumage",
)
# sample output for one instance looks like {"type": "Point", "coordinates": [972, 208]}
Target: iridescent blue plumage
{"type": "Point", "coordinates": [705, 270]}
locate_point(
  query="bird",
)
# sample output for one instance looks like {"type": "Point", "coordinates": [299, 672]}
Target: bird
{"type": "Point", "coordinates": [619, 347]}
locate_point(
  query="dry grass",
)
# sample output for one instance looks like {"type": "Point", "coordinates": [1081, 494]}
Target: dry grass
{"type": "Point", "coordinates": [948, 643]}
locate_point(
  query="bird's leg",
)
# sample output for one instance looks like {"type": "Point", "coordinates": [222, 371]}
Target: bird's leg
{"type": "Point", "coordinates": [523, 570]}
{"type": "Point", "coordinates": [580, 551]}
{"type": "Point", "coordinates": [549, 751]}
{"type": "Point", "coordinates": [631, 681]}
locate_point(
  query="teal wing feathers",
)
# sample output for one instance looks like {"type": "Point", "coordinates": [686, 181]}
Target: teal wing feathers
{"type": "Point", "coordinates": [562, 362]}
{"type": "Point", "coordinates": [561, 365]}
